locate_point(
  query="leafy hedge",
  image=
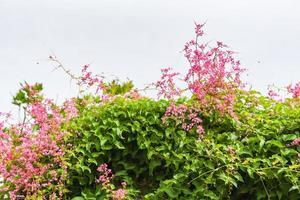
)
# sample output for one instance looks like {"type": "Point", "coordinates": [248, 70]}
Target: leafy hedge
{"type": "Point", "coordinates": [221, 142]}
{"type": "Point", "coordinates": [248, 159]}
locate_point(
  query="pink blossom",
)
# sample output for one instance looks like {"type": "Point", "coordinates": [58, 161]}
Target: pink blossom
{"type": "Point", "coordinates": [27, 144]}
{"type": "Point", "coordinates": [88, 79]}
{"type": "Point", "coordinates": [214, 73]}
{"type": "Point", "coordinates": [213, 77]}
{"type": "Point", "coordinates": [124, 184]}
{"type": "Point", "coordinates": [231, 150]}
{"type": "Point", "coordinates": [295, 142]}
{"type": "Point", "coordinates": [272, 94]}
{"type": "Point", "coordinates": [133, 94]}
{"type": "Point", "coordinates": [70, 109]}
{"type": "Point", "coordinates": [294, 90]}
{"type": "Point", "coordinates": [187, 116]}
{"type": "Point", "coordinates": [106, 174]}
{"type": "Point", "coordinates": [166, 86]}
{"type": "Point", "coordinates": [119, 194]}
{"type": "Point", "coordinates": [198, 29]}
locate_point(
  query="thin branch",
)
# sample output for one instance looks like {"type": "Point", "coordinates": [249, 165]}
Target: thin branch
{"type": "Point", "coordinates": [265, 187]}
{"type": "Point", "coordinates": [61, 66]}
{"type": "Point", "coordinates": [210, 171]}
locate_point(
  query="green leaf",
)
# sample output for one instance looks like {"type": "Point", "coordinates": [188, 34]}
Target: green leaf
{"type": "Point", "coordinates": [153, 164]}
{"type": "Point", "coordinates": [294, 187]}
{"type": "Point", "coordinates": [250, 172]}
{"type": "Point", "coordinates": [171, 192]}
{"type": "Point", "coordinates": [275, 143]}
{"type": "Point", "coordinates": [78, 198]}
{"type": "Point", "coordinates": [238, 177]}
{"type": "Point", "coordinates": [211, 195]}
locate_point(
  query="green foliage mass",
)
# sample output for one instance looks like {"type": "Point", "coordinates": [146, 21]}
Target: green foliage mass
{"type": "Point", "coordinates": [114, 87]}
{"type": "Point", "coordinates": [246, 158]}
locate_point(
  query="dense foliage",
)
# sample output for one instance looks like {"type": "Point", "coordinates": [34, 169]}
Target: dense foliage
{"type": "Point", "coordinates": [253, 158]}
{"type": "Point", "coordinates": [110, 142]}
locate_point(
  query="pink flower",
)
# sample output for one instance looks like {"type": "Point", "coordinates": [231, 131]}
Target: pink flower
{"type": "Point", "coordinates": [294, 90]}
{"type": "Point", "coordinates": [70, 109]}
{"type": "Point", "coordinates": [213, 79]}
{"type": "Point", "coordinates": [295, 142]}
{"type": "Point", "coordinates": [124, 184]}
{"type": "Point", "coordinates": [273, 94]}
{"type": "Point", "coordinates": [198, 29]}
{"type": "Point", "coordinates": [166, 86]}
{"type": "Point", "coordinates": [231, 150]}
{"type": "Point", "coordinates": [28, 144]}
{"type": "Point", "coordinates": [106, 174]}
{"type": "Point", "coordinates": [105, 179]}
{"type": "Point", "coordinates": [119, 194]}
{"type": "Point", "coordinates": [88, 79]}
{"type": "Point", "coordinates": [213, 76]}
{"type": "Point", "coordinates": [187, 116]}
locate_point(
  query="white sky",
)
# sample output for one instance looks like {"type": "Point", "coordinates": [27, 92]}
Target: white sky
{"type": "Point", "coordinates": [135, 38]}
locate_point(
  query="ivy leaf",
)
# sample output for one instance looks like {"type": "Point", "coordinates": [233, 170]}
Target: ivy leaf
{"type": "Point", "coordinates": [78, 198]}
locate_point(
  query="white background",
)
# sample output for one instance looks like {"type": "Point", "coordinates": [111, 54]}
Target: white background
{"type": "Point", "coordinates": [135, 38]}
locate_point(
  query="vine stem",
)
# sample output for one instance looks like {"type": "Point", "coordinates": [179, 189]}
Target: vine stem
{"type": "Point", "coordinates": [67, 71]}
{"type": "Point", "coordinates": [61, 66]}
{"type": "Point", "coordinates": [210, 171]}
{"type": "Point", "coordinates": [265, 188]}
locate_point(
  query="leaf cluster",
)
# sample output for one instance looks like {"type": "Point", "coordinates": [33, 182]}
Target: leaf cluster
{"type": "Point", "coordinates": [246, 158]}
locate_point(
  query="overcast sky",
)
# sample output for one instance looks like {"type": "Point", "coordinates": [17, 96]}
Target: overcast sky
{"type": "Point", "coordinates": [135, 38]}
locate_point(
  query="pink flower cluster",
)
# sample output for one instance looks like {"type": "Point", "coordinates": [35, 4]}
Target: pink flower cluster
{"type": "Point", "coordinates": [231, 150]}
{"type": "Point", "coordinates": [133, 94]}
{"type": "Point", "coordinates": [294, 90]}
{"type": "Point", "coordinates": [214, 74]}
{"type": "Point", "coordinates": [295, 142]}
{"type": "Point", "coordinates": [70, 109]}
{"type": "Point", "coordinates": [166, 86]}
{"type": "Point", "coordinates": [213, 79]}
{"type": "Point", "coordinates": [188, 117]}
{"type": "Point", "coordinates": [32, 92]}
{"type": "Point", "coordinates": [88, 79]}
{"type": "Point", "coordinates": [105, 180]}
{"type": "Point", "coordinates": [119, 194]}
{"type": "Point", "coordinates": [198, 29]}
{"type": "Point", "coordinates": [272, 94]}
{"type": "Point", "coordinates": [31, 151]}
{"type": "Point", "coordinates": [106, 174]}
